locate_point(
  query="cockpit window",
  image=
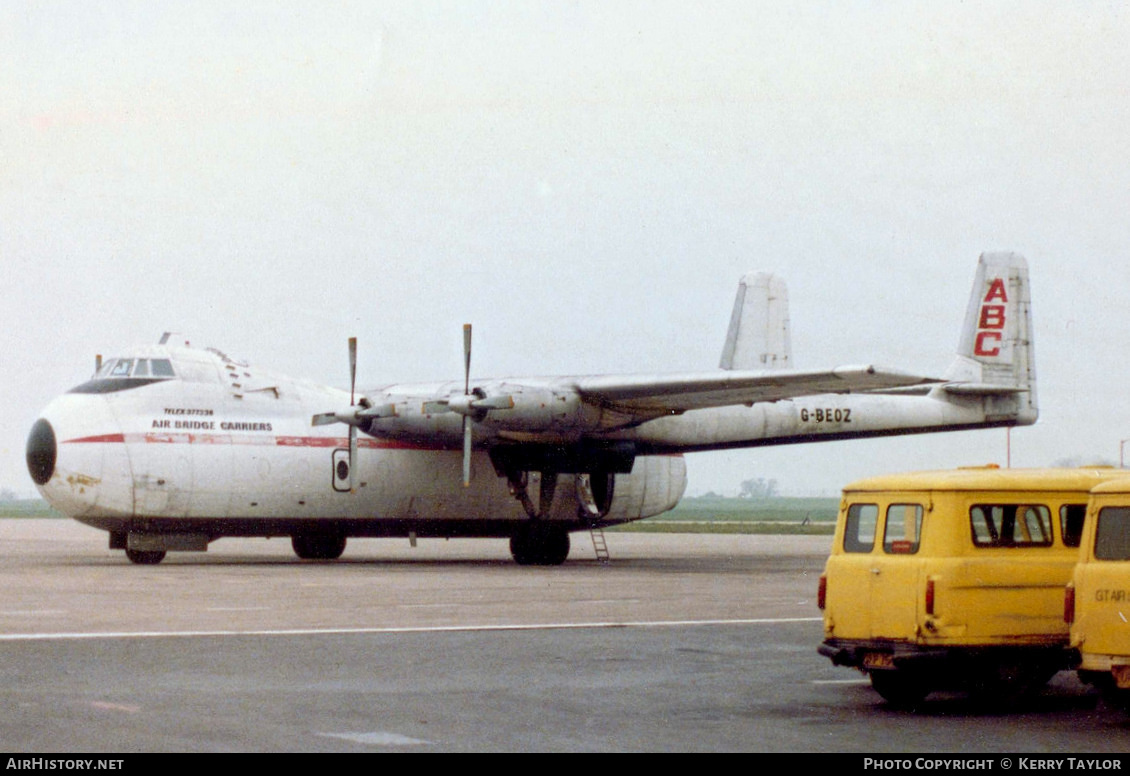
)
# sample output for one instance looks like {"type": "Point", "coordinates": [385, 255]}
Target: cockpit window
{"type": "Point", "coordinates": [119, 374]}
{"type": "Point", "coordinates": [122, 367]}
{"type": "Point", "coordinates": [139, 367]}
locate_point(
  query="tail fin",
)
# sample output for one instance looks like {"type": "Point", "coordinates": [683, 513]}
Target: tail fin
{"type": "Point", "coordinates": [995, 357]}
{"type": "Point", "coordinates": [758, 337]}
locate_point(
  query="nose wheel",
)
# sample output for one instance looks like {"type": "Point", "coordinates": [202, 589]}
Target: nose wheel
{"type": "Point", "coordinates": [318, 546]}
{"type": "Point", "coordinates": [145, 557]}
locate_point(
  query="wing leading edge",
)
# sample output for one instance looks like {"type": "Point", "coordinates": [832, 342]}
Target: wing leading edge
{"type": "Point", "coordinates": [653, 395]}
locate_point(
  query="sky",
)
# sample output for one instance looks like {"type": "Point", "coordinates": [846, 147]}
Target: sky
{"type": "Point", "coordinates": [585, 182]}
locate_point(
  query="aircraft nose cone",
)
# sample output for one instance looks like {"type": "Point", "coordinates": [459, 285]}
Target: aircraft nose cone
{"type": "Point", "coordinates": [41, 452]}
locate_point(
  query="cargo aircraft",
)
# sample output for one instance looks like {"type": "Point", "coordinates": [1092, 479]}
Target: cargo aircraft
{"type": "Point", "coordinates": [169, 447]}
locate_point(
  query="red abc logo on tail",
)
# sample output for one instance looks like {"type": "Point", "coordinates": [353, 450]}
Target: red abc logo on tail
{"type": "Point", "coordinates": [990, 324]}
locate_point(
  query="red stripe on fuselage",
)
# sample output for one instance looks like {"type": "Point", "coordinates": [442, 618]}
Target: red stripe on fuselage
{"type": "Point", "coordinates": [298, 441]}
{"type": "Point", "coordinates": [106, 438]}
{"type": "Point", "coordinates": [266, 441]}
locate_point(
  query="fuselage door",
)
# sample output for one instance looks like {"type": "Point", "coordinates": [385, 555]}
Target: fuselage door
{"type": "Point", "coordinates": [341, 470]}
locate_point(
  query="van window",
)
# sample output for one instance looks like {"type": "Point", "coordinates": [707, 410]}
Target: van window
{"type": "Point", "coordinates": [1071, 523]}
{"type": "Point", "coordinates": [903, 529]}
{"type": "Point", "coordinates": [859, 529]}
{"type": "Point", "coordinates": [1112, 534]}
{"type": "Point", "coordinates": [1011, 525]}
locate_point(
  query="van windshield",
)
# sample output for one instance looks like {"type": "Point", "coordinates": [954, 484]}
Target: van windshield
{"type": "Point", "coordinates": [1112, 534]}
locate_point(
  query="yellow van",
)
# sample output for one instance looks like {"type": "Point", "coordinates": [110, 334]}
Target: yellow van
{"type": "Point", "coordinates": [1098, 598]}
{"type": "Point", "coordinates": [954, 579]}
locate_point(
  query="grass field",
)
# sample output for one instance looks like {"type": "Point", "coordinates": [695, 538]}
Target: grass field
{"type": "Point", "coordinates": [715, 514]}
{"type": "Point", "coordinates": [27, 508]}
{"type": "Point", "coordinates": [707, 514]}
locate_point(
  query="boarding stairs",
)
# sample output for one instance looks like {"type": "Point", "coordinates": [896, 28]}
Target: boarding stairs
{"type": "Point", "coordinates": [599, 545]}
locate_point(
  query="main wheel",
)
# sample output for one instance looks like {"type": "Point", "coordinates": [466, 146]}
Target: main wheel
{"type": "Point", "coordinates": [145, 557]}
{"type": "Point", "coordinates": [536, 545]}
{"type": "Point", "coordinates": [899, 689]}
{"type": "Point", "coordinates": [318, 546]}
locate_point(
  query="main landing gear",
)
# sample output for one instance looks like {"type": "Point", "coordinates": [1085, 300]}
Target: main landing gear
{"type": "Point", "coordinates": [538, 544]}
{"type": "Point", "coordinates": [542, 542]}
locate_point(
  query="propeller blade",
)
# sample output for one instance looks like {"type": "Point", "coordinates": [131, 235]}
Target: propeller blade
{"type": "Point", "coordinates": [466, 418]}
{"type": "Point", "coordinates": [352, 368]}
{"type": "Point", "coordinates": [467, 451]}
{"type": "Point", "coordinates": [466, 358]}
{"type": "Point", "coordinates": [352, 459]}
{"type": "Point", "coordinates": [498, 402]}
{"type": "Point", "coordinates": [353, 416]}
{"type": "Point", "coordinates": [381, 411]}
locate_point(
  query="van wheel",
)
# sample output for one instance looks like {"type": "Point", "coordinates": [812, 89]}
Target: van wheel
{"type": "Point", "coordinates": [899, 689]}
{"type": "Point", "coordinates": [1116, 698]}
{"type": "Point", "coordinates": [1006, 685]}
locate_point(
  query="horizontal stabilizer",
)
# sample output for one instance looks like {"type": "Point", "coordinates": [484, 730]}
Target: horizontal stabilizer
{"type": "Point", "coordinates": [982, 389]}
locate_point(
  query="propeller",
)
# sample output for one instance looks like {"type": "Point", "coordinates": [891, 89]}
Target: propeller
{"type": "Point", "coordinates": [357, 415]}
{"type": "Point", "coordinates": [470, 405]}
{"type": "Point", "coordinates": [473, 404]}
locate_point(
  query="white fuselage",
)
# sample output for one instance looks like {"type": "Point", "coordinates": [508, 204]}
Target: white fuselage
{"type": "Point", "coordinates": [216, 448]}
{"type": "Point", "coordinates": [172, 447]}
{"type": "Point", "coordinates": [232, 449]}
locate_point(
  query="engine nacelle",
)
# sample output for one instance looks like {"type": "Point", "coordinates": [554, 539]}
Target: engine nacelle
{"type": "Point", "coordinates": [534, 409]}
{"type": "Point", "coordinates": [655, 485]}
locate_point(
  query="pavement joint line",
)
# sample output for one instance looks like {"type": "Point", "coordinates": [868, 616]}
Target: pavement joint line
{"type": "Point", "coordinates": [406, 629]}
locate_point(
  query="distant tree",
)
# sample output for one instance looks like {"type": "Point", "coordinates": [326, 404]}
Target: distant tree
{"type": "Point", "coordinates": [1075, 462]}
{"type": "Point", "coordinates": [758, 488]}
{"type": "Point", "coordinates": [7, 494]}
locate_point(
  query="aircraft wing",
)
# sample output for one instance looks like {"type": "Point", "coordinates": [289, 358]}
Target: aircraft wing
{"type": "Point", "coordinates": [676, 393]}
